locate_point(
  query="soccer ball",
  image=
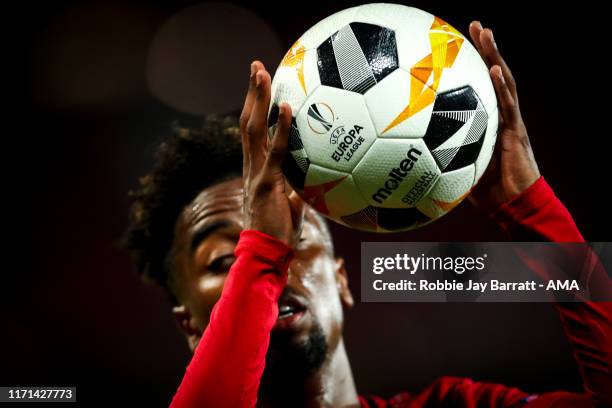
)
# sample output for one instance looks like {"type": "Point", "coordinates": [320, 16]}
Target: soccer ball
{"type": "Point", "coordinates": [394, 117]}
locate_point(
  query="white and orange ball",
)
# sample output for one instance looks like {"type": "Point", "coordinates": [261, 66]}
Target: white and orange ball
{"type": "Point", "coordinates": [394, 117]}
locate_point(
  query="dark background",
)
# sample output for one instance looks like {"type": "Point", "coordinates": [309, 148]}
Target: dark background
{"type": "Point", "coordinates": [98, 83]}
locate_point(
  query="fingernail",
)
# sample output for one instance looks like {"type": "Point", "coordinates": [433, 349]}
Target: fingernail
{"type": "Point", "coordinates": [253, 67]}
{"type": "Point", "coordinates": [500, 75]}
{"type": "Point", "coordinates": [281, 112]}
{"type": "Point", "coordinates": [257, 79]}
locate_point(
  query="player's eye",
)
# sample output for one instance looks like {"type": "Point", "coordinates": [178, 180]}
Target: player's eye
{"type": "Point", "coordinates": [221, 264]}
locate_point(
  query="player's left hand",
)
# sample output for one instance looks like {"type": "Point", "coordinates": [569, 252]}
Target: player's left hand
{"type": "Point", "coordinates": [269, 205]}
{"type": "Point", "coordinates": [513, 167]}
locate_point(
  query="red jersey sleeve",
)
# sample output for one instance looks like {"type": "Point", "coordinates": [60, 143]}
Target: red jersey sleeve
{"type": "Point", "coordinates": [453, 392]}
{"type": "Point", "coordinates": [229, 360]}
{"type": "Point", "coordinates": [536, 215]}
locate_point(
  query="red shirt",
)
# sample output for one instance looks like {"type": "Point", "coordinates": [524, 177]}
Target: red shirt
{"type": "Point", "coordinates": [229, 360]}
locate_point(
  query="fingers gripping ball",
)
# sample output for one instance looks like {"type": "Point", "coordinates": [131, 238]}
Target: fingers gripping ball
{"type": "Point", "coordinates": [394, 117]}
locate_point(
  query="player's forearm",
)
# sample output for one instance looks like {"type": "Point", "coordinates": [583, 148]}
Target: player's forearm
{"type": "Point", "coordinates": [230, 358]}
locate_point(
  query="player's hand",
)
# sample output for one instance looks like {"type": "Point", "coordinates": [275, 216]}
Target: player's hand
{"type": "Point", "coordinates": [513, 168]}
{"type": "Point", "coordinates": [268, 206]}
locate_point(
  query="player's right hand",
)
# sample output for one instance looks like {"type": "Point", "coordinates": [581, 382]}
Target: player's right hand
{"type": "Point", "coordinates": [269, 204]}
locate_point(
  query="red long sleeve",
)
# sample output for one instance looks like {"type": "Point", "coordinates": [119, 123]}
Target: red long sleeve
{"type": "Point", "coordinates": [537, 214]}
{"type": "Point", "coordinates": [229, 360]}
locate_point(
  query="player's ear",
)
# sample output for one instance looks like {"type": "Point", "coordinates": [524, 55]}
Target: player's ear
{"type": "Point", "coordinates": [186, 323]}
{"type": "Point", "coordinates": [342, 282]}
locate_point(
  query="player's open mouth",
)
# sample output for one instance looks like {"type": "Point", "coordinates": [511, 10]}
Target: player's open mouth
{"type": "Point", "coordinates": [285, 311]}
{"type": "Point", "coordinates": [290, 311]}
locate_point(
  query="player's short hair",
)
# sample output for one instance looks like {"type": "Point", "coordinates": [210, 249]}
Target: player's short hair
{"type": "Point", "coordinates": [185, 163]}
{"type": "Point", "coordinates": [188, 161]}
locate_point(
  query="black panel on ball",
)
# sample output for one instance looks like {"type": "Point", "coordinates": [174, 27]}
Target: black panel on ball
{"type": "Point", "coordinates": [326, 62]}
{"type": "Point", "coordinates": [379, 47]}
{"type": "Point", "coordinates": [466, 155]}
{"type": "Point", "coordinates": [463, 98]}
{"type": "Point", "coordinates": [442, 127]}
{"type": "Point", "coordinates": [273, 116]}
{"type": "Point", "coordinates": [294, 173]}
{"type": "Point", "coordinates": [295, 167]}
{"type": "Point", "coordinates": [295, 140]}
{"type": "Point", "coordinates": [357, 57]}
{"type": "Point", "coordinates": [393, 219]}
{"type": "Point", "coordinates": [364, 219]}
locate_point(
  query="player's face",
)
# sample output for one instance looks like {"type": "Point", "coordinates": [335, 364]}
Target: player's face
{"type": "Point", "coordinates": [206, 234]}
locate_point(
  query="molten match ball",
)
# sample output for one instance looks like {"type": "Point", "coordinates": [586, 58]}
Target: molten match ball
{"type": "Point", "coordinates": [394, 117]}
